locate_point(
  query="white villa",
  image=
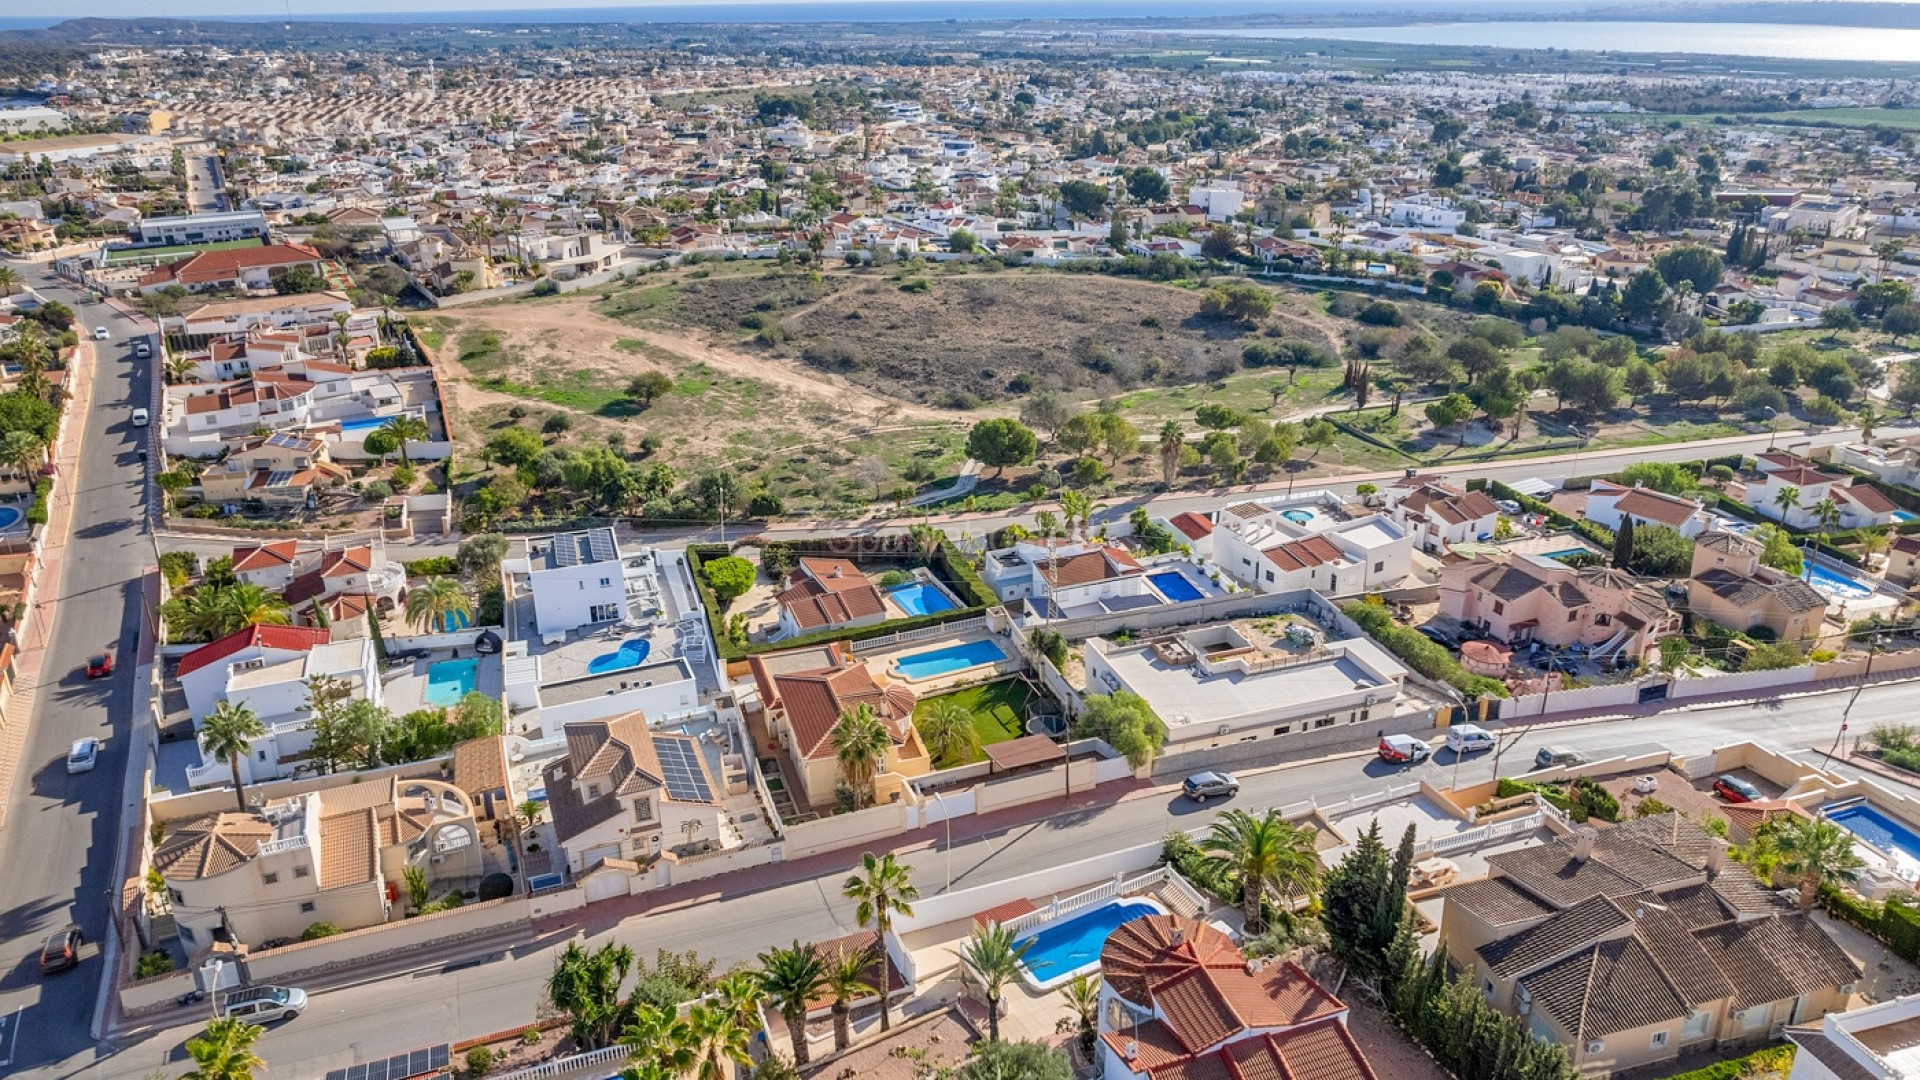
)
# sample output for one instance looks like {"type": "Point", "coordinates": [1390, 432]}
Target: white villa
{"type": "Point", "coordinates": [266, 668]}
{"type": "Point", "coordinates": [1609, 504]}
{"type": "Point", "coordinates": [1281, 548]}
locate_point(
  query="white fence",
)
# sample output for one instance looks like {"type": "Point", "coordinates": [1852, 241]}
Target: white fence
{"type": "Point", "coordinates": [1485, 834]}
{"type": "Point", "coordinates": [869, 646]}
{"type": "Point", "coordinates": [1107, 890]}
{"type": "Point", "coordinates": [593, 1062]}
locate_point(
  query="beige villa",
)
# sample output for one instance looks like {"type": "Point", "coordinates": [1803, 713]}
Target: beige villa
{"type": "Point", "coordinates": [337, 856]}
{"type": "Point", "coordinates": [1639, 942]}
{"type": "Point", "coordinates": [1524, 598]}
{"type": "Point", "coordinates": [804, 692]}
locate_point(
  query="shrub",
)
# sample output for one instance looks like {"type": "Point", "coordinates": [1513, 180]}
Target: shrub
{"type": "Point", "coordinates": [316, 931]}
{"type": "Point", "coordinates": [438, 566]}
{"type": "Point", "coordinates": [1774, 1060]}
{"type": "Point", "coordinates": [479, 1061]}
{"type": "Point", "coordinates": [557, 424]}
{"type": "Point", "coordinates": [377, 491]}
{"type": "Point", "coordinates": [157, 962]}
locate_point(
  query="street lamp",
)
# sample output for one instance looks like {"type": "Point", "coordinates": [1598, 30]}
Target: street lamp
{"type": "Point", "coordinates": [1773, 431]}
{"type": "Point", "coordinates": [940, 797]}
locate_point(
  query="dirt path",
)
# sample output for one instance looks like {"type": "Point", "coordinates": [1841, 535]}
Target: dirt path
{"type": "Point", "coordinates": [592, 335]}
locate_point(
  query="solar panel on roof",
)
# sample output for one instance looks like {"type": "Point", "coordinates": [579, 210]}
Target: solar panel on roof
{"type": "Point", "coordinates": [680, 766]}
{"type": "Point", "coordinates": [279, 477]}
{"type": "Point", "coordinates": [600, 542]}
{"type": "Point", "coordinates": [398, 1067]}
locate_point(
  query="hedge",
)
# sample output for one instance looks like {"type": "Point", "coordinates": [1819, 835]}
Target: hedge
{"type": "Point", "coordinates": [1426, 657]}
{"type": "Point", "coordinates": [437, 566]}
{"type": "Point", "coordinates": [37, 513]}
{"type": "Point", "coordinates": [1771, 1059]}
{"type": "Point", "coordinates": [1894, 923]}
{"type": "Point", "coordinates": [963, 578]}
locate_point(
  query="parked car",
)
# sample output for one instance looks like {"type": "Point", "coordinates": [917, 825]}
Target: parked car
{"type": "Point", "coordinates": [141, 349]}
{"type": "Point", "coordinates": [1467, 738]}
{"type": "Point", "coordinates": [1734, 789]}
{"type": "Point", "coordinates": [62, 950]}
{"type": "Point", "coordinates": [1507, 506]}
{"type": "Point", "coordinates": [101, 333]}
{"type": "Point", "coordinates": [1403, 748]}
{"type": "Point", "coordinates": [1438, 636]}
{"type": "Point", "coordinates": [83, 755]}
{"type": "Point", "coordinates": [139, 418]}
{"type": "Point", "coordinates": [264, 1004]}
{"type": "Point", "coordinates": [1549, 756]}
{"type": "Point", "coordinates": [99, 666]}
{"type": "Point", "coordinates": [1202, 786]}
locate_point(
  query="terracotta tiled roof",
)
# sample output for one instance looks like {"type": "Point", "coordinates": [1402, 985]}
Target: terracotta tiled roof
{"type": "Point", "coordinates": [341, 562]}
{"type": "Point", "coordinates": [1301, 554]}
{"type": "Point", "coordinates": [349, 848]}
{"type": "Point", "coordinates": [289, 638]}
{"type": "Point", "coordinates": [1867, 497]}
{"type": "Point", "coordinates": [1198, 982]}
{"type": "Point", "coordinates": [814, 700]}
{"type": "Point", "coordinates": [480, 765]}
{"type": "Point", "coordinates": [1656, 506]}
{"type": "Point", "coordinates": [1193, 526]}
{"type": "Point", "coordinates": [210, 845]}
{"type": "Point", "coordinates": [265, 556]}
{"type": "Point", "coordinates": [818, 604]}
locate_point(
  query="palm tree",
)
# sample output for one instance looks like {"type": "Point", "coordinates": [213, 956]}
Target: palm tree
{"type": "Point", "coordinates": [883, 889]}
{"type": "Point", "coordinates": [1173, 442]}
{"type": "Point", "coordinates": [228, 732]}
{"type": "Point", "coordinates": [947, 729]}
{"type": "Point", "coordinates": [586, 986]}
{"type": "Point", "coordinates": [30, 351]}
{"type": "Point", "coordinates": [846, 980]}
{"type": "Point", "coordinates": [1869, 418]}
{"type": "Point", "coordinates": [717, 1037]}
{"type": "Point", "coordinates": [402, 430]}
{"type": "Point", "coordinates": [432, 604]}
{"type": "Point", "coordinates": [1816, 852]}
{"type": "Point", "coordinates": [926, 541]}
{"type": "Point", "coordinates": [1826, 513]}
{"type": "Point", "coordinates": [245, 604]}
{"type": "Point", "coordinates": [861, 742]}
{"type": "Point", "coordinates": [1786, 500]}
{"type": "Point", "coordinates": [988, 962]}
{"type": "Point", "coordinates": [660, 1040]}
{"type": "Point", "coordinates": [179, 366]}
{"type": "Point", "coordinates": [739, 993]}
{"type": "Point", "coordinates": [1076, 508]}
{"type": "Point", "coordinates": [1265, 853]}
{"type": "Point", "coordinates": [1873, 539]}
{"type": "Point", "coordinates": [173, 482]}
{"type": "Point", "coordinates": [1082, 994]}
{"type": "Point", "coordinates": [9, 280]}
{"type": "Point", "coordinates": [530, 813]}
{"type": "Point", "coordinates": [791, 977]}
{"type": "Point", "coordinates": [22, 452]}
{"type": "Point", "coordinates": [225, 1052]}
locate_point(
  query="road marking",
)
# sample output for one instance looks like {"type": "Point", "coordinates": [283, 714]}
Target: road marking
{"type": "Point", "coordinates": [13, 1035]}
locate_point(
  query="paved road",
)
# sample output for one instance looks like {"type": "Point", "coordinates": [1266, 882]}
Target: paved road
{"type": "Point", "coordinates": [58, 845]}
{"type": "Point", "coordinates": [501, 991]}
{"type": "Point", "coordinates": [205, 192]}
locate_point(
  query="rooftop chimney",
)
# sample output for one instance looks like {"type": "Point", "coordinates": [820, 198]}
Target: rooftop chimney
{"type": "Point", "coordinates": [1582, 844]}
{"type": "Point", "coordinates": [1716, 858]}
{"type": "Point", "coordinates": [1179, 934]}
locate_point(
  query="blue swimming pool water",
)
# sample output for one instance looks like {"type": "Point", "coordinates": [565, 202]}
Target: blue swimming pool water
{"type": "Point", "coordinates": [1298, 517]}
{"type": "Point", "coordinates": [1063, 949]}
{"type": "Point", "coordinates": [946, 661]}
{"type": "Point", "coordinates": [8, 517]}
{"type": "Point", "coordinates": [920, 598]}
{"type": "Point", "coordinates": [1876, 828]}
{"type": "Point", "coordinates": [454, 620]}
{"type": "Point", "coordinates": [450, 680]}
{"type": "Point", "coordinates": [1836, 583]}
{"type": "Point", "coordinates": [363, 424]}
{"type": "Point", "coordinates": [1566, 553]}
{"type": "Point", "coordinates": [1174, 586]}
{"type": "Point", "coordinates": [1901, 517]}
{"type": "Point", "coordinates": [630, 654]}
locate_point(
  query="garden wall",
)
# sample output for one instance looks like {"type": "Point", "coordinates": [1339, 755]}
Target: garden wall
{"type": "Point", "coordinates": [1268, 751]}
{"type": "Point", "coordinates": [1072, 877]}
{"type": "Point", "coordinates": [208, 800]}
{"type": "Point", "coordinates": [1591, 697]}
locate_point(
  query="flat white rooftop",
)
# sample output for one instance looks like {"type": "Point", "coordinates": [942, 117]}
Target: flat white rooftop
{"type": "Point", "coordinates": [1186, 695]}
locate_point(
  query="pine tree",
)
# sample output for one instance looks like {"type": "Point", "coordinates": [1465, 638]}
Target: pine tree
{"type": "Point", "coordinates": [1623, 544]}
{"type": "Point", "coordinates": [1355, 893]}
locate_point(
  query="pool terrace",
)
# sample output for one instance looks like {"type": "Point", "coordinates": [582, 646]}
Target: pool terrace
{"type": "Point", "coordinates": [410, 684]}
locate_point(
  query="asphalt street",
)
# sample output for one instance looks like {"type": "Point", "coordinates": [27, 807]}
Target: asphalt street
{"type": "Point", "coordinates": [497, 987]}
{"type": "Point", "coordinates": [59, 841]}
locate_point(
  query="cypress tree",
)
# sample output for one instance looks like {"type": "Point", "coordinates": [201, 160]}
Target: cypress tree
{"type": "Point", "coordinates": [1623, 543]}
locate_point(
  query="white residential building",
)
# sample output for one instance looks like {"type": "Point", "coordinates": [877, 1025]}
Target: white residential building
{"type": "Point", "coordinates": [576, 580]}
{"type": "Point", "coordinates": [1437, 514]}
{"type": "Point", "coordinates": [202, 228]}
{"type": "Point", "coordinates": [1872, 1042]}
{"type": "Point", "coordinates": [1609, 504]}
{"type": "Point", "coordinates": [1281, 548]}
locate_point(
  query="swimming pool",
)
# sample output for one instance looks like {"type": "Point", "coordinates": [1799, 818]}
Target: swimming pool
{"type": "Point", "coordinates": [365, 423]}
{"type": "Point", "coordinates": [1901, 517]}
{"type": "Point", "coordinates": [631, 653]}
{"type": "Point", "coordinates": [1061, 951]}
{"type": "Point", "coordinates": [920, 598]}
{"type": "Point", "coordinates": [450, 680]}
{"type": "Point", "coordinates": [1836, 584]}
{"type": "Point", "coordinates": [947, 660]}
{"type": "Point", "coordinates": [454, 620]}
{"type": "Point", "coordinates": [1298, 517]}
{"type": "Point", "coordinates": [1891, 836]}
{"type": "Point", "coordinates": [9, 517]}
{"type": "Point", "coordinates": [1175, 587]}
{"type": "Point", "coordinates": [1566, 553]}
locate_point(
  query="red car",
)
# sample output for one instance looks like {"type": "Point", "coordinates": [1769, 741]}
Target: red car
{"type": "Point", "coordinates": [99, 667]}
{"type": "Point", "coordinates": [1734, 789]}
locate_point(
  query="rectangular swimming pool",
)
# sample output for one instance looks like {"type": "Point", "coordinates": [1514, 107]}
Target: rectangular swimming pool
{"type": "Point", "coordinates": [1175, 587]}
{"type": "Point", "coordinates": [365, 423]}
{"type": "Point", "coordinates": [920, 598]}
{"type": "Point", "coordinates": [1882, 831]}
{"type": "Point", "coordinates": [946, 661]}
{"type": "Point", "coordinates": [450, 680]}
{"type": "Point", "coordinates": [1063, 950]}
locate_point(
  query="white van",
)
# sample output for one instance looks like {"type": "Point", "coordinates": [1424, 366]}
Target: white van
{"type": "Point", "coordinates": [1468, 738]}
{"type": "Point", "coordinates": [264, 1004]}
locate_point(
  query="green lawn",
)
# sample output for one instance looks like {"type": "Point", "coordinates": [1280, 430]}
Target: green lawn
{"type": "Point", "coordinates": [999, 712]}
{"type": "Point", "coordinates": [176, 251]}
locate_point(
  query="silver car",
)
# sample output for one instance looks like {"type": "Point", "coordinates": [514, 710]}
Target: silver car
{"type": "Point", "coordinates": [263, 1004]}
{"type": "Point", "coordinates": [1202, 786]}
